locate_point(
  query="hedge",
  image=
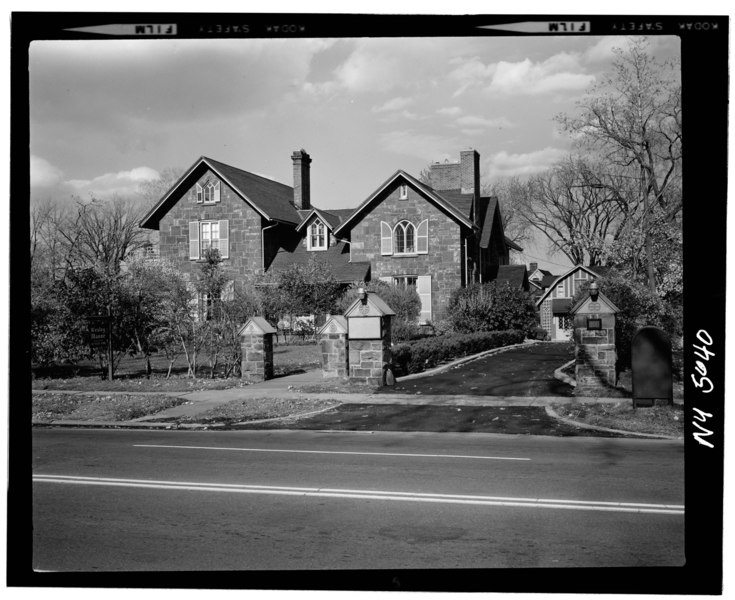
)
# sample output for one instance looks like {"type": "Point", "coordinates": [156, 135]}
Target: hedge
{"type": "Point", "coordinates": [414, 357]}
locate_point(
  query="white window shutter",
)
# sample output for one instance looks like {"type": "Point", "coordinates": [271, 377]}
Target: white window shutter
{"type": "Point", "coordinates": [224, 239]}
{"type": "Point", "coordinates": [423, 287]}
{"type": "Point", "coordinates": [216, 192]}
{"type": "Point", "coordinates": [200, 194]}
{"type": "Point", "coordinates": [386, 239]}
{"type": "Point", "coordinates": [422, 237]}
{"type": "Point", "coordinates": [228, 291]}
{"type": "Point", "coordinates": [194, 240]}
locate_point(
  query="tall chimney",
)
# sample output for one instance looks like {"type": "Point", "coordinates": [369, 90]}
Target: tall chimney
{"type": "Point", "coordinates": [469, 161]}
{"type": "Point", "coordinates": [532, 267]}
{"type": "Point", "coordinates": [301, 179]}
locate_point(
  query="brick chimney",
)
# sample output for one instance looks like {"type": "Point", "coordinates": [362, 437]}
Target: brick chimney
{"type": "Point", "coordinates": [301, 179]}
{"type": "Point", "coordinates": [532, 267]}
{"type": "Point", "coordinates": [469, 161]}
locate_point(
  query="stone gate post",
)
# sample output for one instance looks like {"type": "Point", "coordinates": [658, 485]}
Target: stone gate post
{"type": "Point", "coordinates": [594, 338]}
{"type": "Point", "coordinates": [335, 347]}
{"type": "Point", "coordinates": [256, 343]}
{"type": "Point", "coordinates": [369, 334]}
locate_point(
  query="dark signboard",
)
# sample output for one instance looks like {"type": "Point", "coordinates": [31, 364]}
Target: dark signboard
{"type": "Point", "coordinates": [98, 332]}
{"type": "Point", "coordinates": [651, 365]}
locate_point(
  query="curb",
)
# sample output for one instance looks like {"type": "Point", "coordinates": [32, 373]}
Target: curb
{"type": "Point", "coordinates": [463, 360]}
{"type": "Point", "coordinates": [552, 413]}
{"type": "Point", "coordinates": [563, 377]}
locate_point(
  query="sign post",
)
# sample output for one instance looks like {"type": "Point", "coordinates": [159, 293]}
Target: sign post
{"type": "Point", "coordinates": [100, 338]}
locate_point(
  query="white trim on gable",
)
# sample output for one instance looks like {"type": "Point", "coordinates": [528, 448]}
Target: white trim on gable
{"type": "Point", "coordinates": [559, 280]}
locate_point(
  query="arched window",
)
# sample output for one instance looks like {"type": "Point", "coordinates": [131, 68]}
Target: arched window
{"type": "Point", "coordinates": [317, 238]}
{"type": "Point", "coordinates": [404, 238]}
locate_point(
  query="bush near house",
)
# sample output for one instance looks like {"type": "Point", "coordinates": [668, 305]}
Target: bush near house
{"type": "Point", "coordinates": [414, 357]}
{"type": "Point", "coordinates": [492, 307]}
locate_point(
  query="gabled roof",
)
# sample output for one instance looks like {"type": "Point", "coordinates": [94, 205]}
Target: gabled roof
{"type": "Point", "coordinates": [333, 218]}
{"type": "Point", "coordinates": [548, 280]}
{"type": "Point", "coordinates": [512, 245]}
{"type": "Point", "coordinates": [273, 200]}
{"type": "Point", "coordinates": [562, 277]}
{"type": "Point", "coordinates": [463, 202]}
{"type": "Point", "coordinates": [337, 257]}
{"type": "Point", "coordinates": [487, 226]}
{"type": "Point", "coordinates": [430, 194]}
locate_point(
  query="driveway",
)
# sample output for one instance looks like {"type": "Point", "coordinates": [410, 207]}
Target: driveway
{"type": "Point", "coordinates": [526, 371]}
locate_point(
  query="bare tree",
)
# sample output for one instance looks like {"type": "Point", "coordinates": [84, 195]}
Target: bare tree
{"type": "Point", "coordinates": [633, 118]}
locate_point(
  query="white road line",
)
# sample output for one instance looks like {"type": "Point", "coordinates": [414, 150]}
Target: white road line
{"type": "Point", "coordinates": [328, 452]}
{"type": "Point", "coordinates": [630, 507]}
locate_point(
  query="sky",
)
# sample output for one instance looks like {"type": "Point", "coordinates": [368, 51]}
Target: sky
{"type": "Point", "coordinates": [108, 115]}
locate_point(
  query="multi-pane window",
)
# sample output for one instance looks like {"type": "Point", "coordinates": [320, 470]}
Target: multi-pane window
{"type": "Point", "coordinates": [317, 236]}
{"type": "Point", "coordinates": [404, 238]}
{"type": "Point", "coordinates": [405, 281]}
{"type": "Point", "coordinates": [208, 193]}
{"type": "Point", "coordinates": [210, 235]}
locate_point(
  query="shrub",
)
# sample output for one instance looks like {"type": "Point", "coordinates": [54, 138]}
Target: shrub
{"type": "Point", "coordinates": [426, 353]}
{"type": "Point", "coordinates": [491, 307]}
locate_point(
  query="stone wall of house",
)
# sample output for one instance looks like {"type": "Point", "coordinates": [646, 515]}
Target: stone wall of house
{"type": "Point", "coordinates": [245, 224]}
{"type": "Point", "coordinates": [445, 259]}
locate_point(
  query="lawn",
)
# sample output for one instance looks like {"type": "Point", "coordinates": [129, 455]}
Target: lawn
{"type": "Point", "coordinates": [657, 420]}
{"type": "Point", "coordinates": [50, 406]}
{"type": "Point", "coordinates": [130, 375]}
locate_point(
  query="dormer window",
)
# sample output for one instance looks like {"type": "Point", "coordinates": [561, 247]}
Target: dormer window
{"type": "Point", "coordinates": [317, 236]}
{"type": "Point", "coordinates": [403, 192]}
{"type": "Point", "coordinates": [208, 193]}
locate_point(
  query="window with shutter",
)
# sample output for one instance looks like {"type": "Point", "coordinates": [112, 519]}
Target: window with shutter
{"type": "Point", "coordinates": [423, 287]}
{"type": "Point", "coordinates": [386, 239]}
{"type": "Point", "coordinates": [404, 238]}
{"type": "Point", "coordinates": [422, 237]}
{"type": "Point", "coordinates": [224, 238]}
{"type": "Point", "coordinates": [194, 240]}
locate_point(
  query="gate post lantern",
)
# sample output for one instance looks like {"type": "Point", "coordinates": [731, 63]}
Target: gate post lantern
{"type": "Point", "coordinates": [594, 339]}
{"type": "Point", "coordinates": [334, 346]}
{"type": "Point", "coordinates": [369, 335]}
{"type": "Point", "coordinates": [256, 344]}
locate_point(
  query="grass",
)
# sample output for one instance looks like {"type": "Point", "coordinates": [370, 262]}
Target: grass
{"type": "Point", "coordinates": [658, 420]}
{"type": "Point", "coordinates": [130, 375]}
{"type": "Point", "coordinates": [50, 406]}
{"type": "Point", "coordinates": [253, 409]}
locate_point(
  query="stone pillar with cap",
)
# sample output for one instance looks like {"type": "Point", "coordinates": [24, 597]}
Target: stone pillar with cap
{"type": "Point", "coordinates": [369, 334]}
{"type": "Point", "coordinates": [594, 338]}
{"type": "Point", "coordinates": [335, 347]}
{"type": "Point", "coordinates": [256, 344]}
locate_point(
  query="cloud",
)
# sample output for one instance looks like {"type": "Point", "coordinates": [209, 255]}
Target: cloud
{"type": "Point", "coordinates": [476, 121]}
{"type": "Point", "coordinates": [123, 183]}
{"type": "Point", "coordinates": [393, 104]}
{"type": "Point", "coordinates": [426, 146]}
{"type": "Point", "coordinates": [450, 111]}
{"type": "Point", "coordinates": [44, 174]}
{"type": "Point", "coordinates": [504, 164]}
{"type": "Point", "coordinates": [558, 73]}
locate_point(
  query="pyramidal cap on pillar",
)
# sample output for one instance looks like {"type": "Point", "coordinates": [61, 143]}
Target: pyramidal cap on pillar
{"type": "Point", "coordinates": [371, 306]}
{"type": "Point", "coordinates": [256, 326]}
{"type": "Point", "coordinates": [334, 324]}
{"type": "Point", "coordinates": [600, 305]}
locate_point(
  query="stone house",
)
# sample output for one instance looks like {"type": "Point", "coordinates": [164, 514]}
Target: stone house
{"type": "Point", "coordinates": [436, 236]}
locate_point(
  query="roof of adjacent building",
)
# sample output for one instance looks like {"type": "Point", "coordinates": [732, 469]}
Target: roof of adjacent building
{"type": "Point", "coordinates": [514, 275]}
{"type": "Point", "coordinates": [337, 257]}
{"type": "Point", "coordinates": [272, 199]}
{"type": "Point", "coordinates": [332, 217]}
{"type": "Point", "coordinates": [558, 279]}
{"type": "Point", "coordinates": [561, 305]}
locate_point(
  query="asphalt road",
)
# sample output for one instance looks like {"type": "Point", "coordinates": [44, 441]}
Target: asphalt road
{"type": "Point", "coordinates": [120, 500]}
{"type": "Point", "coordinates": [526, 371]}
